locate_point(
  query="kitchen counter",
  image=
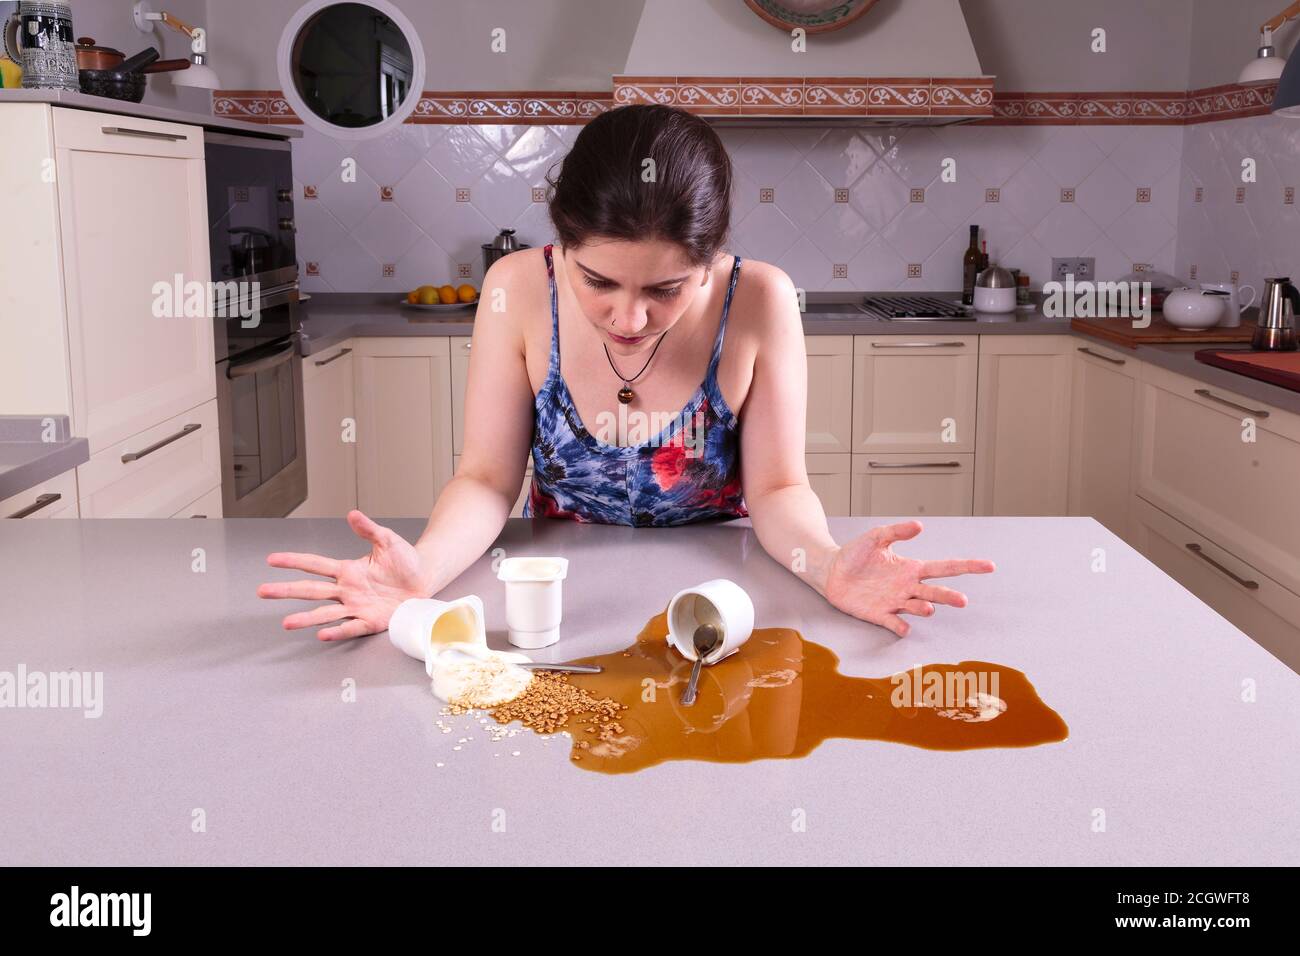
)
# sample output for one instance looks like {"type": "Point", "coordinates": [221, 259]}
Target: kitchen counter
{"type": "Point", "coordinates": [209, 705]}
{"type": "Point", "coordinates": [330, 318]}
{"type": "Point", "coordinates": [26, 460]}
{"type": "Point", "coordinates": [106, 104]}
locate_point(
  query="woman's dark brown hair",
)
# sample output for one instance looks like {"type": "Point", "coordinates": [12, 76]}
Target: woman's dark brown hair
{"type": "Point", "coordinates": [602, 189]}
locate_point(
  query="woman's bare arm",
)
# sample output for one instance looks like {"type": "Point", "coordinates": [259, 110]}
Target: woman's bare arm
{"type": "Point", "coordinates": [362, 593]}
{"type": "Point", "coordinates": [473, 507]}
{"type": "Point", "coordinates": [864, 577]}
{"type": "Point", "coordinates": [786, 513]}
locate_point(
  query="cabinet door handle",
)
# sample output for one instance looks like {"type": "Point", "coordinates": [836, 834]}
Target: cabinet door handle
{"type": "Point", "coordinates": [263, 364]}
{"type": "Point", "coordinates": [1196, 550]}
{"type": "Point", "coordinates": [137, 455]}
{"type": "Point", "coordinates": [467, 346]}
{"type": "Point", "coordinates": [1104, 358]}
{"type": "Point", "coordinates": [918, 345]}
{"type": "Point", "coordinates": [332, 358]}
{"type": "Point", "coordinates": [143, 133]}
{"type": "Point", "coordinates": [1257, 412]}
{"type": "Point", "coordinates": [42, 501]}
{"type": "Point", "coordinates": [913, 464]}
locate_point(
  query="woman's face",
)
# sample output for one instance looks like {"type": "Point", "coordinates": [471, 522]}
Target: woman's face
{"type": "Point", "coordinates": [632, 291]}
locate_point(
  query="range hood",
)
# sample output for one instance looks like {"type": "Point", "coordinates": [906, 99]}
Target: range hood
{"type": "Point", "coordinates": [904, 62]}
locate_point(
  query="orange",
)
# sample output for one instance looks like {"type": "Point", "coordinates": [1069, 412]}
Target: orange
{"type": "Point", "coordinates": [466, 293]}
{"type": "Point", "coordinates": [447, 294]}
{"type": "Point", "coordinates": [413, 297]}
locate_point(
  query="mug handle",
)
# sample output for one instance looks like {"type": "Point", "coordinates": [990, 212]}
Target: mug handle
{"type": "Point", "coordinates": [11, 46]}
{"type": "Point", "coordinates": [1249, 302]}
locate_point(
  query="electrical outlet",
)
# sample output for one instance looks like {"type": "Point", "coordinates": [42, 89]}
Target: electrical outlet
{"type": "Point", "coordinates": [1081, 268]}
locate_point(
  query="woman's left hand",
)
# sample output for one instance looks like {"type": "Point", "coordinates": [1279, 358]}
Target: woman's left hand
{"type": "Point", "coordinates": [868, 580]}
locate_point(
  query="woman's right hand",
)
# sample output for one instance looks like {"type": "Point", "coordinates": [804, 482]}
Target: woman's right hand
{"type": "Point", "coordinates": [364, 590]}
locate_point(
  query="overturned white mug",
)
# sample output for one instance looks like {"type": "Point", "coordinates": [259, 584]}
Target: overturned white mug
{"type": "Point", "coordinates": [719, 602]}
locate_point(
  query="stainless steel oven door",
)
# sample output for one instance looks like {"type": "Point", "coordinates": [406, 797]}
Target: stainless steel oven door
{"type": "Point", "coordinates": [263, 433]}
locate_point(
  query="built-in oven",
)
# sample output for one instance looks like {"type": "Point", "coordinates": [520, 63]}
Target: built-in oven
{"type": "Point", "coordinates": [260, 415]}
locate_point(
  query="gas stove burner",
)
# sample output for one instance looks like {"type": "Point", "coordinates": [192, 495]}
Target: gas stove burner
{"type": "Point", "coordinates": [904, 307]}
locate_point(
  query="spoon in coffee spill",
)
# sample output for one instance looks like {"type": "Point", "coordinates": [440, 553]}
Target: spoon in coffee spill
{"type": "Point", "coordinates": [705, 639]}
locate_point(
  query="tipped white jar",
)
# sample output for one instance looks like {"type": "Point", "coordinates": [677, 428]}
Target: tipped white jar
{"type": "Point", "coordinates": [423, 626]}
{"type": "Point", "coordinates": [533, 599]}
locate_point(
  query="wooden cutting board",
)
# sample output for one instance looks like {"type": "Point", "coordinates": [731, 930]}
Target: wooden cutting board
{"type": "Point", "coordinates": [1277, 368]}
{"type": "Point", "coordinates": [1159, 332]}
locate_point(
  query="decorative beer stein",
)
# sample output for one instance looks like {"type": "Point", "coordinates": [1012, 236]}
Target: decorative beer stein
{"type": "Point", "coordinates": [39, 38]}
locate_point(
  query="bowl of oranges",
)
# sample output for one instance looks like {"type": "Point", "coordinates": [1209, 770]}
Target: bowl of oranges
{"type": "Point", "coordinates": [441, 298]}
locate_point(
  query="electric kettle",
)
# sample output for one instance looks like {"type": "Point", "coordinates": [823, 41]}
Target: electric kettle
{"type": "Point", "coordinates": [1276, 325]}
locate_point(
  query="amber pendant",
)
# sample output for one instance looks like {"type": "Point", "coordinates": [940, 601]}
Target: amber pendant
{"type": "Point", "coordinates": [625, 395]}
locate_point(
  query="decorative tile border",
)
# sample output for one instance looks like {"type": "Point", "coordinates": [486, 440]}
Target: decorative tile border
{"type": "Point", "coordinates": [547, 107]}
{"type": "Point", "coordinates": [835, 96]}
{"type": "Point", "coordinates": [253, 106]}
{"type": "Point", "coordinates": [1172, 108]}
{"type": "Point", "coordinates": [838, 96]}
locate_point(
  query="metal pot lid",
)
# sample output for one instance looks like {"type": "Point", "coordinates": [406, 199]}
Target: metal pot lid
{"type": "Point", "coordinates": [995, 277]}
{"type": "Point", "coordinates": [88, 44]}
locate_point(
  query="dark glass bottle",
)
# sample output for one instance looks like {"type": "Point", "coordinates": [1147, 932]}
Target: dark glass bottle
{"type": "Point", "coordinates": [970, 267]}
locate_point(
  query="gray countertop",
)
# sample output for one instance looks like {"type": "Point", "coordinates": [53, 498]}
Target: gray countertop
{"type": "Point", "coordinates": [207, 704]}
{"type": "Point", "coordinates": [105, 104]}
{"type": "Point", "coordinates": [331, 318]}
{"type": "Point", "coordinates": [26, 459]}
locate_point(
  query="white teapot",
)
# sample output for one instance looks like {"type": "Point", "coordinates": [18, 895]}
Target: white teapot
{"type": "Point", "coordinates": [1194, 308]}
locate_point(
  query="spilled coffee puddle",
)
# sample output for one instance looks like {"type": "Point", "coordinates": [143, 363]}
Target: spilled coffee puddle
{"type": "Point", "coordinates": [780, 696]}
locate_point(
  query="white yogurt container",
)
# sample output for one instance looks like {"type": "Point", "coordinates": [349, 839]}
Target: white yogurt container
{"type": "Point", "coordinates": [423, 626]}
{"type": "Point", "coordinates": [533, 599]}
{"type": "Point", "coordinates": [719, 602]}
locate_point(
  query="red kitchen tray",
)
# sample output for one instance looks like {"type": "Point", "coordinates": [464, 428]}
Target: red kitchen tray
{"type": "Point", "coordinates": [1277, 368]}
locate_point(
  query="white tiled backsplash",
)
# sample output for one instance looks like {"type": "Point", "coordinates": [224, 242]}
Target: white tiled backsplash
{"type": "Point", "coordinates": [1255, 232]}
{"type": "Point", "coordinates": [871, 206]}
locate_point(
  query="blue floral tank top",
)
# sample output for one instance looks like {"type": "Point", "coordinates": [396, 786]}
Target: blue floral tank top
{"type": "Point", "coordinates": [689, 471]}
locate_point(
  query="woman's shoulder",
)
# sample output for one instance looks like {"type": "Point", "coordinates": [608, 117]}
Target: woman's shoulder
{"type": "Point", "coordinates": [766, 297]}
{"type": "Point", "coordinates": [521, 271]}
{"type": "Point", "coordinates": [516, 286]}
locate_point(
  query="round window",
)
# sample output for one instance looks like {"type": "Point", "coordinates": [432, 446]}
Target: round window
{"type": "Point", "coordinates": [352, 70]}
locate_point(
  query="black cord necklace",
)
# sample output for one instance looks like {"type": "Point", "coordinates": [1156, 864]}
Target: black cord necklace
{"type": "Point", "coordinates": [625, 394]}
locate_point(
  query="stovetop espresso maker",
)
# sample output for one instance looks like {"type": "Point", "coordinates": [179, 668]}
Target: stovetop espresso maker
{"type": "Point", "coordinates": [1276, 331]}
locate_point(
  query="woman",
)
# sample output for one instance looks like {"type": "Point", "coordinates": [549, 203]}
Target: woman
{"type": "Point", "coordinates": [682, 396]}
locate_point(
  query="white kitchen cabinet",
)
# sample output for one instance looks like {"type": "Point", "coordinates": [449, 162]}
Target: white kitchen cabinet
{"type": "Point", "coordinates": [155, 473]}
{"type": "Point", "coordinates": [1102, 416]}
{"type": "Point", "coordinates": [1225, 465]}
{"type": "Point", "coordinates": [133, 225]}
{"type": "Point", "coordinates": [830, 394]}
{"type": "Point", "coordinates": [518, 510]}
{"type": "Point", "coordinates": [329, 401]}
{"type": "Point", "coordinates": [830, 478]}
{"type": "Point", "coordinates": [1258, 605]}
{"type": "Point", "coordinates": [912, 485]}
{"type": "Point", "coordinates": [404, 430]}
{"type": "Point", "coordinates": [1022, 446]}
{"type": "Point", "coordinates": [205, 506]}
{"type": "Point", "coordinates": [53, 498]}
{"type": "Point", "coordinates": [914, 393]}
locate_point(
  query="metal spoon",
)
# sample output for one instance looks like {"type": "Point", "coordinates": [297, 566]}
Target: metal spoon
{"type": "Point", "coordinates": [705, 639]}
{"type": "Point", "coordinates": [534, 665]}
{"type": "Point", "coordinates": [560, 668]}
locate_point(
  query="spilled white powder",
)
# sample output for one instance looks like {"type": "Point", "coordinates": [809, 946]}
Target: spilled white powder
{"type": "Point", "coordinates": [477, 677]}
